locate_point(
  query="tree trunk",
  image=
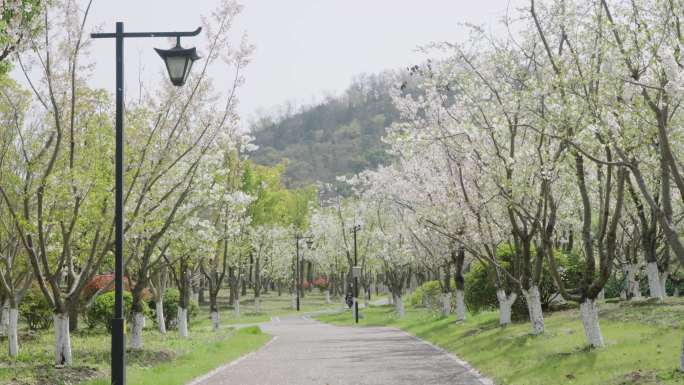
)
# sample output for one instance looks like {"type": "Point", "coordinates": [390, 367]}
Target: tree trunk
{"type": "Point", "coordinates": [446, 304]}
{"type": "Point", "coordinates": [505, 304]}
{"type": "Point", "coordinates": [327, 297]}
{"type": "Point", "coordinates": [633, 287]}
{"type": "Point", "coordinates": [460, 306]}
{"type": "Point", "coordinates": [399, 305]}
{"type": "Point", "coordinates": [681, 358]}
{"type": "Point", "coordinates": [161, 321]}
{"type": "Point", "coordinates": [4, 318]}
{"type": "Point", "coordinates": [663, 283]}
{"type": "Point", "coordinates": [257, 305]}
{"type": "Point", "coordinates": [182, 322]}
{"type": "Point", "coordinates": [236, 307]}
{"type": "Point", "coordinates": [654, 286]}
{"type": "Point", "coordinates": [73, 318]}
{"type": "Point", "coordinates": [592, 330]}
{"type": "Point", "coordinates": [534, 308]}
{"type": "Point", "coordinates": [12, 336]}
{"type": "Point", "coordinates": [215, 320]}
{"type": "Point", "coordinates": [137, 325]}
{"type": "Point", "coordinates": [62, 339]}
{"type": "Point", "coordinates": [294, 301]}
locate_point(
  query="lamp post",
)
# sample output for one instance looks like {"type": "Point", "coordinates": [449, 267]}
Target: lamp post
{"type": "Point", "coordinates": [298, 265]}
{"type": "Point", "coordinates": [356, 271]}
{"type": "Point", "coordinates": [178, 63]}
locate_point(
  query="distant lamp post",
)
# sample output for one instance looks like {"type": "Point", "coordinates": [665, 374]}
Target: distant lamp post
{"type": "Point", "coordinates": [178, 62]}
{"type": "Point", "coordinates": [298, 265]}
{"type": "Point", "coordinates": [356, 273]}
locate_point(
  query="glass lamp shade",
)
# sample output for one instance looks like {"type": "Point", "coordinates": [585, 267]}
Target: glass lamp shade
{"type": "Point", "coordinates": [178, 62]}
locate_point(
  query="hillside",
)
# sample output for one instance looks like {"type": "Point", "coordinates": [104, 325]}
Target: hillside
{"type": "Point", "coordinates": [339, 136]}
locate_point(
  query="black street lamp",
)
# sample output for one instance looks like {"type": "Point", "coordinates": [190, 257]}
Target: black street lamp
{"type": "Point", "coordinates": [178, 74]}
{"type": "Point", "coordinates": [356, 271]}
{"type": "Point", "coordinates": [298, 267]}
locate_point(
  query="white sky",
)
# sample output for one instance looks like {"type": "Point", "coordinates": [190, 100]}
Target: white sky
{"type": "Point", "coordinates": [304, 48]}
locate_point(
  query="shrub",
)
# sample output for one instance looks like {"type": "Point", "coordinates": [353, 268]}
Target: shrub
{"type": "Point", "coordinates": [171, 300]}
{"type": "Point", "coordinates": [36, 310]}
{"type": "Point", "coordinates": [99, 282]}
{"type": "Point", "coordinates": [427, 295]}
{"type": "Point", "coordinates": [101, 311]}
{"type": "Point", "coordinates": [321, 283]}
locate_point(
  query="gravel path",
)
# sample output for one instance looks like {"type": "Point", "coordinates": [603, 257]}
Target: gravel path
{"type": "Point", "coordinates": [306, 352]}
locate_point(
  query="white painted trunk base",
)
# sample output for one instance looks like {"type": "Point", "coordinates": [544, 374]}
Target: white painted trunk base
{"type": "Point", "coordinates": [505, 304]}
{"type": "Point", "coordinates": [663, 283]}
{"type": "Point", "coordinates": [62, 339]}
{"type": "Point", "coordinates": [633, 286]}
{"type": "Point", "coordinates": [327, 297]}
{"type": "Point", "coordinates": [236, 308]}
{"type": "Point", "coordinates": [592, 330]}
{"type": "Point", "coordinates": [654, 287]}
{"type": "Point", "coordinates": [446, 304]}
{"type": "Point", "coordinates": [182, 322]}
{"type": "Point", "coordinates": [215, 320]}
{"type": "Point", "coordinates": [399, 306]}
{"type": "Point", "coordinates": [161, 323]}
{"type": "Point", "coordinates": [137, 326]}
{"type": "Point", "coordinates": [4, 319]}
{"type": "Point", "coordinates": [294, 302]}
{"type": "Point", "coordinates": [353, 308]}
{"type": "Point", "coordinates": [534, 308]}
{"type": "Point", "coordinates": [460, 306]}
{"type": "Point", "coordinates": [12, 337]}
{"type": "Point", "coordinates": [681, 358]}
{"type": "Point", "coordinates": [257, 305]}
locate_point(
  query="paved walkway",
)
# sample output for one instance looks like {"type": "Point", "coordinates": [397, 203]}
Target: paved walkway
{"type": "Point", "coordinates": [306, 352]}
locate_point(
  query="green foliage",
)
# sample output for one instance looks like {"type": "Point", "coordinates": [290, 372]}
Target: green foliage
{"type": "Point", "coordinates": [101, 311]}
{"type": "Point", "coordinates": [427, 295]}
{"type": "Point", "coordinates": [480, 292]}
{"type": "Point", "coordinates": [36, 310]}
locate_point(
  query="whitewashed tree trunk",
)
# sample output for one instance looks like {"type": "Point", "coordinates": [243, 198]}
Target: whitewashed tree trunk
{"type": "Point", "coordinates": [446, 304]}
{"type": "Point", "coordinates": [161, 322]}
{"type": "Point", "coordinates": [663, 283]}
{"type": "Point", "coordinates": [505, 304]}
{"type": "Point", "coordinates": [195, 297]}
{"type": "Point", "coordinates": [633, 286]}
{"type": "Point", "coordinates": [460, 306]}
{"type": "Point", "coordinates": [257, 305]}
{"type": "Point", "coordinates": [182, 322]}
{"type": "Point", "coordinates": [62, 339]}
{"type": "Point", "coordinates": [4, 318]}
{"type": "Point", "coordinates": [365, 299]}
{"type": "Point", "coordinates": [676, 292]}
{"type": "Point", "coordinates": [215, 320]}
{"type": "Point", "coordinates": [12, 335]}
{"type": "Point", "coordinates": [681, 358]}
{"type": "Point", "coordinates": [592, 330]}
{"type": "Point", "coordinates": [294, 301]}
{"type": "Point", "coordinates": [601, 295]}
{"type": "Point", "coordinates": [399, 306]}
{"type": "Point", "coordinates": [623, 295]}
{"type": "Point", "coordinates": [137, 326]}
{"type": "Point", "coordinates": [654, 287]}
{"type": "Point", "coordinates": [327, 297]}
{"type": "Point", "coordinates": [534, 308]}
{"type": "Point", "coordinates": [236, 308]}
{"type": "Point", "coordinates": [353, 308]}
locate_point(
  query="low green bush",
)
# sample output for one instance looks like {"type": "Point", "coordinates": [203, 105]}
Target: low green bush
{"type": "Point", "coordinates": [36, 310]}
{"type": "Point", "coordinates": [101, 312]}
{"type": "Point", "coordinates": [427, 295]}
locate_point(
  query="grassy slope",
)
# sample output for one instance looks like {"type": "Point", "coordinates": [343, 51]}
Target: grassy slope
{"type": "Point", "coordinates": [643, 344]}
{"type": "Point", "coordinates": [179, 359]}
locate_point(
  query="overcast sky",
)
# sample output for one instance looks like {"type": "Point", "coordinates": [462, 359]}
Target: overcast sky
{"type": "Point", "coordinates": [304, 48]}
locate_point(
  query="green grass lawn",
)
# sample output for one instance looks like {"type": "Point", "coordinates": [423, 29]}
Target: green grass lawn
{"type": "Point", "coordinates": [164, 360]}
{"type": "Point", "coordinates": [642, 344]}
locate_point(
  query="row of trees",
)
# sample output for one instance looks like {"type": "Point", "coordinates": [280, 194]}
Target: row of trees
{"type": "Point", "coordinates": [558, 141]}
{"type": "Point", "coordinates": [196, 208]}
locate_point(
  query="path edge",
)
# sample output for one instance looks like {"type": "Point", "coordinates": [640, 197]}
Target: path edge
{"type": "Point", "coordinates": [236, 361]}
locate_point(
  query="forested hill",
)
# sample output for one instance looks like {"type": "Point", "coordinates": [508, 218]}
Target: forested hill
{"type": "Point", "coordinates": [339, 136]}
